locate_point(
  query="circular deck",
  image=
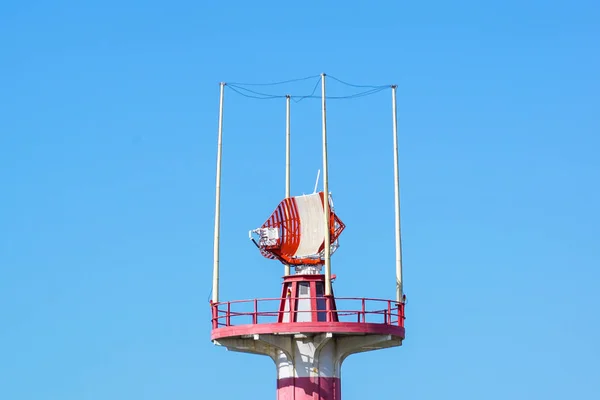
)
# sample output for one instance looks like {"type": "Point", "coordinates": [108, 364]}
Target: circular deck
{"type": "Point", "coordinates": [352, 316]}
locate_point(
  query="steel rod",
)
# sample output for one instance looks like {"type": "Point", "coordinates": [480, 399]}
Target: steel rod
{"type": "Point", "coordinates": [326, 193]}
{"type": "Point", "coordinates": [287, 158]}
{"type": "Point", "coordinates": [215, 287]}
{"type": "Point", "coordinates": [399, 282]}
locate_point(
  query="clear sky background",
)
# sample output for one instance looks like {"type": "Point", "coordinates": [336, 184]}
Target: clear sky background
{"type": "Point", "coordinates": [108, 123]}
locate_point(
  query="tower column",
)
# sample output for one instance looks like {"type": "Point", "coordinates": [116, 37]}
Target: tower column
{"type": "Point", "coordinates": [309, 370]}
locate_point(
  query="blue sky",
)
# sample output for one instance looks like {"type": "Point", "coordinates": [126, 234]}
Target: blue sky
{"type": "Point", "coordinates": [108, 122]}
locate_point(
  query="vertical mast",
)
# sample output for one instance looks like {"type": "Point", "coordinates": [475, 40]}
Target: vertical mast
{"type": "Point", "coordinates": [399, 288]}
{"type": "Point", "coordinates": [326, 193]}
{"type": "Point", "coordinates": [215, 287]}
{"type": "Point", "coordinates": [287, 158]}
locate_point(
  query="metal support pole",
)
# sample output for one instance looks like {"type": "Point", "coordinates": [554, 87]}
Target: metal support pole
{"type": "Point", "coordinates": [326, 193]}
{"type": "Point", "coordinates": [215, 287]}
{"type": "Point", "coordinates": [287, 159]}
{"type": "Point", "coordinates": [399, 288]}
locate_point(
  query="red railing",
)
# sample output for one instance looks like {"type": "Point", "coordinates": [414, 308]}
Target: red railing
{"type": "Point", "coordinates": [348, 309]}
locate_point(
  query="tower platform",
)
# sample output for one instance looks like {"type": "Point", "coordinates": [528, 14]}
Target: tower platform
{"type": "Point", "coordinates": [307, 334]}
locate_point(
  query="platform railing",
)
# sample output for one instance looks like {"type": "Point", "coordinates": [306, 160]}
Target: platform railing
{"type": "Point", "coordinates": [348, 309]}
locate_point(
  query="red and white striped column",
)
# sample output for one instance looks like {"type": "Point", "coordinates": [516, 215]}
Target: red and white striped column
{"type": "Point", "coordinates": [310, 370]}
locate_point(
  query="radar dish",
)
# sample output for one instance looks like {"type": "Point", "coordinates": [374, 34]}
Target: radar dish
{"type": "Point", "coordinates": [295, 233]}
